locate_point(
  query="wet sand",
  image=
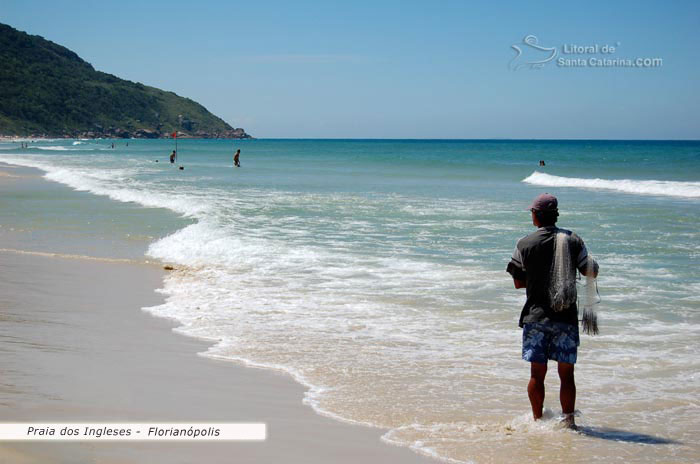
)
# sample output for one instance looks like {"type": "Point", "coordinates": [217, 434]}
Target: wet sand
{"type": "Point", "coordinates": [77, 347]}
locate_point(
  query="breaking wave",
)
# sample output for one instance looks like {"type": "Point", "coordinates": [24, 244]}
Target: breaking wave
{"type": "Point", "coordinates": [639, 187]}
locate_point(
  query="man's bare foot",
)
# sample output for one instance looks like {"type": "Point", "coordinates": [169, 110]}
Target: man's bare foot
{"type": "Point", "coordinates": [569, 422]}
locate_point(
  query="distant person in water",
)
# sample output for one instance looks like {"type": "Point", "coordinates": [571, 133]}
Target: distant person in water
{"type": "Point", "coordinates": [541, 162]}
{"type": "Point", "coordinates": [550, 322]}
{"type": "Point", "coordinates": [173, 155]}
{"type": "Point", "coordinates": [237, 159]}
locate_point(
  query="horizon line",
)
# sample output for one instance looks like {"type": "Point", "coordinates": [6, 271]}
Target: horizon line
{"type": "Point", "coordinates": [11, 138]}
{"type": "Point", "coordinates": [479, 139]}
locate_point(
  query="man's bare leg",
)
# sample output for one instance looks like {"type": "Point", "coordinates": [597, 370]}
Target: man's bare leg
{"type": "Point", "coordinates": [567, 392]}
{"type": "Point", "coordinates": [535, 389]}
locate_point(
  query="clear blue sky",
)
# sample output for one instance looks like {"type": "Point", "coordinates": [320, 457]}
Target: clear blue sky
{"type": "Point", "coordinates": [394, 69]}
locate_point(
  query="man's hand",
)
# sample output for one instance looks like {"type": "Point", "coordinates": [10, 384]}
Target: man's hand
{"type": "Point", "coordinates": [519, 283]}
{"type": "Point", "coordinates": [592, 266]}
{"type": "Point", "coordinates": [594, 274]}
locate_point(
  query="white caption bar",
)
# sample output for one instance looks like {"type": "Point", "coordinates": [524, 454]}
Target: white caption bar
{"type": "Point", "coordinates": [97, 431]}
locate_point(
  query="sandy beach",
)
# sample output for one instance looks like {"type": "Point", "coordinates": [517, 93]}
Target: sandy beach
{"type": "Point", "coordinates": [77, 347]}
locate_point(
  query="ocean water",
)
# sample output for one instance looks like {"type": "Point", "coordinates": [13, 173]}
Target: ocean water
{"type": "Point", "coordinates": [374, 273]}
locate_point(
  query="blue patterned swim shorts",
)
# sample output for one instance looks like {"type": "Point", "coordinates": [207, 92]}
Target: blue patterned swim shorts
{"type": "Point", "coordinates": [550, 340]}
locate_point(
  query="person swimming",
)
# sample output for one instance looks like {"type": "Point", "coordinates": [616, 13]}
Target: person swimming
{"type": "Point", "coordinates": [173, 156]}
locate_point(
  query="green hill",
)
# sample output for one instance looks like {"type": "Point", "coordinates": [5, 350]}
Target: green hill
{"type": "Point", "coordinates": [46, 89]}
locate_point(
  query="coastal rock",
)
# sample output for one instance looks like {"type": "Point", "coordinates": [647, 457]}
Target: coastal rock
{"type": "Point", "coordinates": [146, 134]}
{"type": "Point", "coordinates": [239, 133]}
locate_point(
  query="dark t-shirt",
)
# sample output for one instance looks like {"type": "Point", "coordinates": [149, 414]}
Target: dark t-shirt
{"type": "Point", "coordinates": [532, 263]}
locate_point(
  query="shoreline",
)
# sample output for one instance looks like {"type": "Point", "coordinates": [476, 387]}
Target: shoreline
{"type": "Point", "coordinates": [79, 346]}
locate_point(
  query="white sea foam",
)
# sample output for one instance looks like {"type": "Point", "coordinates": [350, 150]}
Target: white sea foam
{"type": "Point", "coordinates": [54, 148]}
{"type": "Point", "coordinates": [114, 183]}
{"type": "Point", "coordinates": [640, 187]}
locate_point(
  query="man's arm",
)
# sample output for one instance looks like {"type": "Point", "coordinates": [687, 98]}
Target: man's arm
{"type": "Point", "coordinates": [585, 263]}
{"type": "Point", "coordinates": [516, 269]}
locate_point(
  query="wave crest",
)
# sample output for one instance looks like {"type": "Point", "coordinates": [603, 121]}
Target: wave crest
{"type": "Point", "coordinates": [639, 187]}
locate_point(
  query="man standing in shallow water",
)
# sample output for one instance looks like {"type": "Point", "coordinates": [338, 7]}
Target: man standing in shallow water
{"type": "Point", "coordinates": [550, 328]}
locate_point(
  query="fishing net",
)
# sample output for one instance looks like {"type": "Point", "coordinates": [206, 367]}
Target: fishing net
{"type": "Point", "coordinates": [590, 298]}
{"type": "Point", "coordinates": [562, 284]}
{"type": "Point", "coordinates": [562, 275]}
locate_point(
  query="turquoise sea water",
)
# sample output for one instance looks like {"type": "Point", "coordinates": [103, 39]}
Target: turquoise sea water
{"type": "Point", "coordinates": [373, 272]}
